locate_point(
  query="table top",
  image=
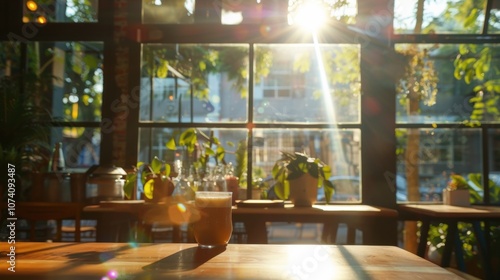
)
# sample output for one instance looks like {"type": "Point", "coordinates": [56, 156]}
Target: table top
{"type": "Point", "coordinates": [171, 213]}
{"type": "Point", "coordinates": [236, 261]}
{"type": "Point", "coordinates": [449, 211]}
{"type": "Point", "coordinates": [288, 209]}
{"type": "Point", "coordinates": [322, 210]}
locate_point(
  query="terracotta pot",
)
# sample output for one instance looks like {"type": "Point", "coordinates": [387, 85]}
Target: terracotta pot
{"type": "Point", "coordinates": [304, 190]}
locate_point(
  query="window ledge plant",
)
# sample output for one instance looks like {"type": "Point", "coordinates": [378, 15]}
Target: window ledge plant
{"type": "Point", "coordinates": [292, 166]}
{"type": "Point", "coordinates": [457, 191]}
{"type": "Point", "coordinates": [154, 177]}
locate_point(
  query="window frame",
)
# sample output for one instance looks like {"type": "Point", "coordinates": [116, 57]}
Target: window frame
{"type": "Point", "coordinates": [374, 170]}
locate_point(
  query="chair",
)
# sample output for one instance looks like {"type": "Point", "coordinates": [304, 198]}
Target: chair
{"type": "Point", "coordinates": [87, 230]}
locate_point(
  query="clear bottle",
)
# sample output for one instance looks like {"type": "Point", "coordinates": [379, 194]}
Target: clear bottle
{"type": "Point", "coordinates": [180, 181]}
{"type": "Point", "coordinates": [220, 178]}
{"type": "Point", "coordinates": [232, 182]}
{"type": "Point", "coordinates": [208, 183]}
{"type": "Point", "coordinates": [193, 179]}
{"type": "Point", "coordinates": [57, 162]}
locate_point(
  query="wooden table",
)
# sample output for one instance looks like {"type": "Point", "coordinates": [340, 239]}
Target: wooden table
{"type": "Point", "coordinates": [451, 215]}
{"type": "Point", "coordinates": [128, 220]}
{"type": "Point", "coordinates": [236, 261]}
{"type": "Point", "coordinates": [377, 223]}
{"type": "Point", "coordinates": [36, 211]}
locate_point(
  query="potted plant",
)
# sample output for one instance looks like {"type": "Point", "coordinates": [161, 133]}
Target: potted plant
{"type": "Point", "coordinates": [24, 134]}
{"type": "Point", "coordinates": [457, 191]}
{"type": "Point", "coordinates": [154, 178]}
{"type": "Point", "coordinates": [298, 177]}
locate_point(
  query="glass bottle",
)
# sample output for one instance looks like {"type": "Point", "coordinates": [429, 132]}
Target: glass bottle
{"type": "Point", "coordinates": [57, 160]}
{"type": "Point", "coordinates": [232, 182]}
{"type": "Point", "coordinates": [220, 178]}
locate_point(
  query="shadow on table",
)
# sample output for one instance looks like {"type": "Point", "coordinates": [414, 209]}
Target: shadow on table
{"type": "Point", "coordinates": [95, 257]}
{"type": "Point", "coordinates": [355, 265]}
{"type": "Point", "coordinates": [187, 259]}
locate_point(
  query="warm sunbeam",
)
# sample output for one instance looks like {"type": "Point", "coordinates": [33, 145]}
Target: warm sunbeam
{"type": "Point", "coordinates": [327, 98]}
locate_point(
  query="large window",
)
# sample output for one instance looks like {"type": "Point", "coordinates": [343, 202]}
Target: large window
{"type": "Point", "coordinates": [400, 89]}
{"type": "Point", "coordinates": [292, 84]}
{"type": "Point", "coordinates": [447, 97]}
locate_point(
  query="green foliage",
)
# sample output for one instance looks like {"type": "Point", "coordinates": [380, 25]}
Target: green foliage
{"type": "Point", "coordinates": [437, 233]}
{"type": "Point", "coordinates": [23, 116]}
{"type": "Point", "coordinates": [474, 64]}
{"type": "Point", "coordinates": [293, 165]}
{"type": "Point", "coordinates": [156, 168]}
{"type": "Point", "coordinates": [263, 62]}
{"type": "Point", "coordinates": [419, 81]}
{"type": "Point", "coordinates": [465, 12]}
{"type": "Point", "coordinates": [130, 181]}
{"type": "Point", "coordinates": [457, 182]}
{"type": "Point", "coordinates": [207, 146]}
{"type": "Point", "coordinates": [437, 237]}
{"type": "Point", "coordinates": [241, 164]}
{"type": "Point", "coordinates": [196, 62]}
{"type": "Point", "coordinates": [476, 179]}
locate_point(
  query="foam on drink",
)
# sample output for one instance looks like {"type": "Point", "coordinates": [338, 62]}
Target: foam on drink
{"type": "Point", "coordinates": [213, 201]}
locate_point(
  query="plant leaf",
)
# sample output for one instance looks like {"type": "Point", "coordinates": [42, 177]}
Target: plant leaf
{"type": "Point", "coordinates": [156, 165]}
{"type": "Point", "coordinates": [329, 190]}
{"type": "Point", "coordinates": [148, 188]}
{"type": "Point", "coordinates": [130, 182]}
{"type": "Point", "coordinates": [171, 145]}
{"type": "Point", "coordinates": [282, 189]}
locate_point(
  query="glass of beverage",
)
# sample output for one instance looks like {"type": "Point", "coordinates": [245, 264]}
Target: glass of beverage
{"type": "Point", "coordinates": [215, 226]}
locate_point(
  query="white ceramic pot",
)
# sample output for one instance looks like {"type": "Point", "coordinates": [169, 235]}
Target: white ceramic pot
{"type": "Point", "coordinates": [459, 197]}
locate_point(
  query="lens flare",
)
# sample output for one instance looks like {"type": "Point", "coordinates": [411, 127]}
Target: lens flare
{"type": "Point", "coordinates": [112, 274]}
{"type": "Point", "coordinates": [181, 207]}
{"type": "Point", "coordinates": [32, 5]}
{"type": "Point", "coordinates": [133, 244]}
{"type": "Point", "coordinates": [41, 20]}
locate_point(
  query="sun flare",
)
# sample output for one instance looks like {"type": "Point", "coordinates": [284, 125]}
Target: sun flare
{"type": "Point", "coordinates": [310, 15]}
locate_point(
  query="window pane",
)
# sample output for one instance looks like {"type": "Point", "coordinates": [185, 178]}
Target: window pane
{"type": "Point", "coordinates": [454, 16]}
{"type": "Point", "coordinates": [340, 149]}
{"type": "Point", "coordinates": [152, 143]}
{"type": "Point", "coordinates": [494, 23]}
{"type": "Point", "coordinates": [60, 11]}
{"type": "Point", "coordinates": [81, 145]}
{"type": "Point", "coordinates": [168, 11]}
{"type": "Point", "coordinates": [299, 83]}
{"type": "Point", "coordinates": [194, 83]}
{"type": "Point", "coordinates": [427, 157]}
{"type": "Point", "coordinates": [449, 83]}
{"type": "Point", "coordinates": [73, 78]}
{"type": "Point", "coordinates": [494, 162]}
